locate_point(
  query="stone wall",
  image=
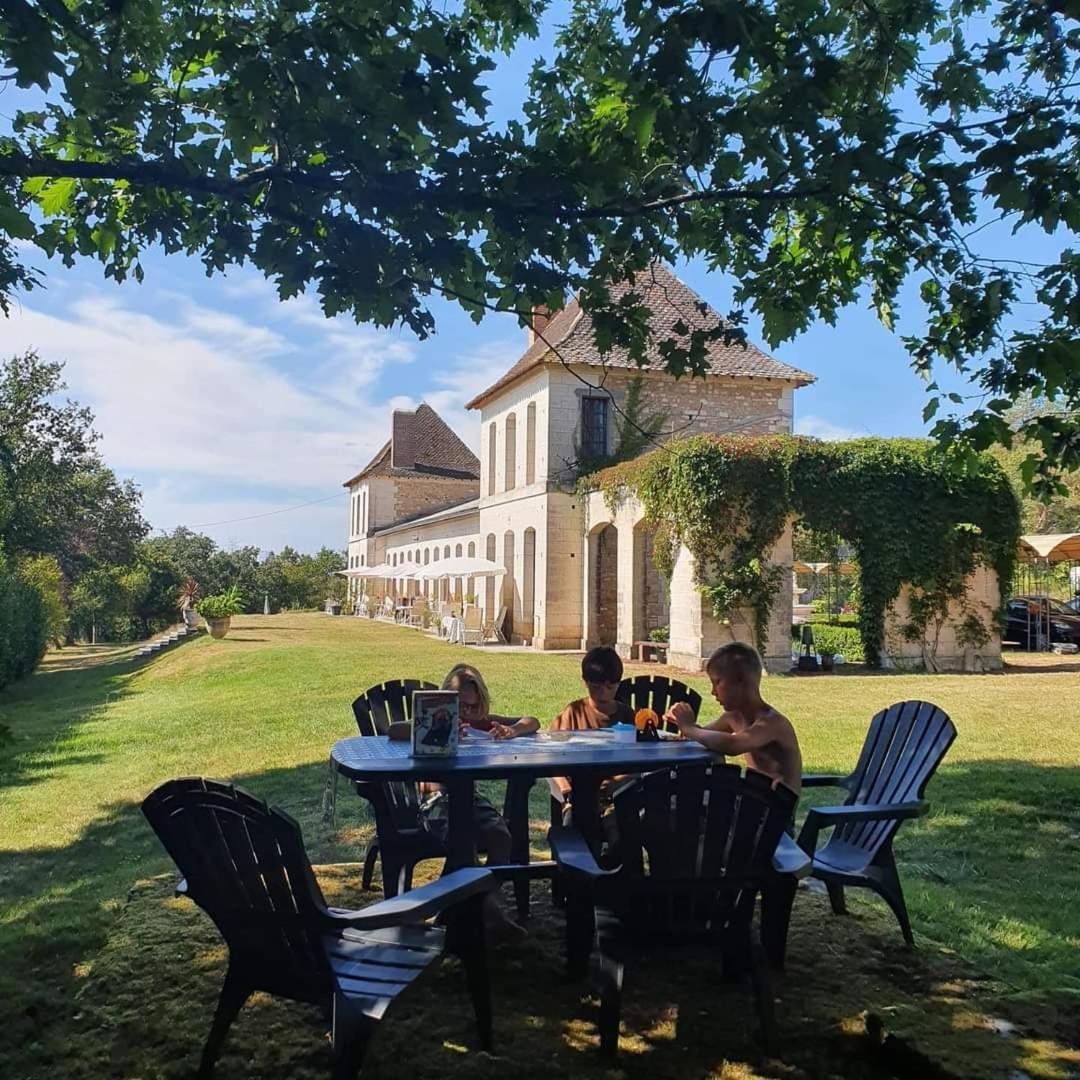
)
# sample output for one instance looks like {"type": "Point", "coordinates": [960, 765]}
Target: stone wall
{"type": "Point", "coordinates": [983, 599]}
{"type": "Point", "coordinates": [425, 494]}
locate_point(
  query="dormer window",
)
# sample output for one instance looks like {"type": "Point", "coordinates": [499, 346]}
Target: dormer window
{"type": "Point", "coordinates": [595, 412]}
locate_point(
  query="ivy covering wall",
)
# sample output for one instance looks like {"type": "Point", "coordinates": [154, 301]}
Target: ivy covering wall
{"type": "Point", "coordinates": [913, 515]}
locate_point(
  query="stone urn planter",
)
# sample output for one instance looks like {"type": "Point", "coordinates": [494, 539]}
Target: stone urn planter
{"type": "Point", "coordinates": [191, 617]}
{"type": "Point", "coordinates": [218, 627]}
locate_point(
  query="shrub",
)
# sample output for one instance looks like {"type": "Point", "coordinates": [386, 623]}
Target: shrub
{"type": "Point", "coordinates": [23, 626]}
{"type": "Point", "coordinates": [44, 574]}
{"type": "Point", "coordinates": [221, 605]}
{"type": "Point", "coordinates": [660, 633]}
{"type": "Point", "coordinates": [844, 640]}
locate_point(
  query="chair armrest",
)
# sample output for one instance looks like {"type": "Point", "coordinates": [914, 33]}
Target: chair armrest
{"type": "Point", "coordinates": [543, 870]}
{"type": "Point", "coordinates": [825, 817]}
{"type": "Point", "coordinates": [823, 780]}
{"type": "Point", "coordinates": [789, 858]}
{"type": "Point", "coordinates": [417, 905]}
{"type": "Point", "coordinates": [574, 856]}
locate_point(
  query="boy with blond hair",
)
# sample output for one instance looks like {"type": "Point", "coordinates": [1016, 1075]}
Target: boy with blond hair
{"type": "Point", "coordinates": [749, 725]}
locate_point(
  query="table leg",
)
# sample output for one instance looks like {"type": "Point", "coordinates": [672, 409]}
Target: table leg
{"type": "Point", "coordinates": [460, 834]}
{"type": "Point", "coordinates": [585, 800]}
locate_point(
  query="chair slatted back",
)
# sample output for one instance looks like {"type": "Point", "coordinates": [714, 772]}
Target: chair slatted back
{"type": "Point", "coordinates": [245, 865]}
{"type": "Point", "coordinates": [473, 618]}
{"type": "Point", "coordinates": [375, 710]}
{"type": "Point", "coordinates": [903, 748]}
{"type": "Point", "coordinates": [696, 844]}
{"type": "Point", "coordinates": [657, 692]}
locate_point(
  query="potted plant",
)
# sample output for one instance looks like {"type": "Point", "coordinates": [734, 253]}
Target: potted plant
{"type": "Point", "coordinates": [827, 657]}
{"type": "Point", "coordinates": [219, 609]}
{"type": "Point", "coordinates": [187, 599]}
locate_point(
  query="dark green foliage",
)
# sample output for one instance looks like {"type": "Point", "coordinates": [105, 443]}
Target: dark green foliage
{"type": "Point", "coordinates": [819, 153]}
{"type": "Point", "coordinates": [23, 626]}
{"type": "Point", "coordinates": [912, 514]}
{"type": "Point", "coordinates": [844, 640]}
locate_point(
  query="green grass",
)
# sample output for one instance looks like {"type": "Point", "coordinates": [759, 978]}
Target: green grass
{"type": "Point", "coordinates": [103, 974]}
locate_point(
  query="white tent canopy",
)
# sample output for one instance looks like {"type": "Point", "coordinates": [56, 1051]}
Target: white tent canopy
{"type": "Point", "coordinates": [383, 570]}
{"type": "Point", "coordinates": [1054, 547]}
{"type": "Point", "coordinates": [460, 567]}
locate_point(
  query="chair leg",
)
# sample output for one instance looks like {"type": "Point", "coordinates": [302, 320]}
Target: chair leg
{"type": "Point", "coordinates": [610, 969]}
{"type": "Point", "coordinates": [836, 897]}
{"type": "Point", "coordinates": [234, 993]}
{"type": "Point", "coordinates": [392, 874]}
{"type": "Point", "coordinates": [580, 931]}
{"type": "Point", "coordinates": [406, 876]}
{"type": "Point", "coordinates": [466, 939]}
{"type": "Point", "coordinates": [763, 997]}
{"type": "Point", "coordinates": [777, 900]}
{"type": "Point", "coordinates": [370, 859]}
{"type": "Point", "coordinates": [352, 1035]}
{"type": "Point", "coordinates": [891, 892]}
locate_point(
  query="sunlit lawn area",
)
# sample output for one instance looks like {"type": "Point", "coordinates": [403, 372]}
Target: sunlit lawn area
{"type": "Point", "coordinates": [102, 973]}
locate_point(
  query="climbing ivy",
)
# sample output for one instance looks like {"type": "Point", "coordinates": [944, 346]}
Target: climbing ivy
{"type": "Point", "coordinates": [913, 515]}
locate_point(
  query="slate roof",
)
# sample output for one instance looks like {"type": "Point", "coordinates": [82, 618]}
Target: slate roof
{"type": "Point", "coordinates": [436, 449]}
{"type": "Point", "coordinates": [668, 300]}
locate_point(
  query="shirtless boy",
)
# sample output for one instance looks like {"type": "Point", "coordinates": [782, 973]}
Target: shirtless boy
{"type": "Point", "coordinates": [749, 725]}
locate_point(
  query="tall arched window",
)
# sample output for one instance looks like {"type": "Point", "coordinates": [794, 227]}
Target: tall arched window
{"type": "Point", "coordinates": [530, 443]}
{"type": "Point", "coordinates": [491, 459]}
{"type": "Point", "coordinates": [364, 513]}
{"type": "Point", "coordinates": [510, 473]}
{"type": "Point", "coordinates": [489, 582]}
{"type": "Point", "coordinates": [427, 556]}
{"type": "Point", "coordinates": [457, 552]}
{"type": "Point", "coordinates": [472, 551]}
{"type": "Point", "coordinates": [435, 556]}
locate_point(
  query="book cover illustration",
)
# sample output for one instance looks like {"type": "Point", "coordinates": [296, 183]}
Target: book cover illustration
{"type": "Point", "coordinates": [435, 722]}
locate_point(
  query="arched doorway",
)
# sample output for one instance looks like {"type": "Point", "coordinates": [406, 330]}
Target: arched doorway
{"type": "Point", "coordinates": [603, 585]}
{"type": "Point", "coordinates": [509, 585]}
{"type": "Point", "coordinates": [652, 608]}
{"type": "Point", "coordinates": [528, 584]}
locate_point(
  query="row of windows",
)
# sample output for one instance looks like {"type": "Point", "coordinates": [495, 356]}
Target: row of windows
{"type": "Point", "coordinates": [510, 440]}
{"type": "Point", "coordinates": [355, 561]}
{"type": "Point", "coordinates": [400, 558]}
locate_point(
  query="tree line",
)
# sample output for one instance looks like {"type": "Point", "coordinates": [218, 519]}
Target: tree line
{"type": "Point", "coordinates": [77, 561]}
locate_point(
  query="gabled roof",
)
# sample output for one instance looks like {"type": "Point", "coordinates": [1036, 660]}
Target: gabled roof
{"type": "Point", "coordinates": [570, 337]}
{"type": "Point", "coordinates": [427, 447]}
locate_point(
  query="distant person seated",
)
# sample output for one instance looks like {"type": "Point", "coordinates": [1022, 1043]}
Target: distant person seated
{"type": "Point", "coordinates": [749, 725]}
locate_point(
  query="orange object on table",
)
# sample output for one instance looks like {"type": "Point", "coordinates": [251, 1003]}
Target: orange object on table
{"type": "Point", "coordinates": [644, 717]}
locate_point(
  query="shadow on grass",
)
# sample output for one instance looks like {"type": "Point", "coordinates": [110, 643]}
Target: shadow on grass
{"type": "Point", "coordinates": [106, 974]}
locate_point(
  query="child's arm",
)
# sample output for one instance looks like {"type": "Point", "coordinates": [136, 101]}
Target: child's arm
{"type": "Point", "coordinates": [502, 727]}
{"type": "Point", "coordinates": [760, 733]}
{"type": "Point", "coordinates": [681, 713]}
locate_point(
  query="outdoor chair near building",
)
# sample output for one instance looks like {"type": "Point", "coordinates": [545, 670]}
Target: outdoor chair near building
{"type": "Point", "coordinates": [474, 625]}
{"type": "Point", "coordinates": [903, 748]}
{"type": "Point", "coordinates": [696, 847]}
{"type": "Point", "coordinates": [245, 865]}
{"type": "Point", "coordinates": [419, 613]}
{"type": "Point", "coordinates": [493, 629]}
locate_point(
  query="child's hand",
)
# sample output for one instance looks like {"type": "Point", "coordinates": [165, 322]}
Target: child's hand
{"type": "Point", "coordinates": [502, 731]}
{"type": "Point", "coordinates": [682, 715]}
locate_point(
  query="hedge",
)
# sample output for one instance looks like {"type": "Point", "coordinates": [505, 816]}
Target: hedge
{"type": "Point", "coordinates": [23, 626]}
{"type": "Point", "coordinates": [844, 640]}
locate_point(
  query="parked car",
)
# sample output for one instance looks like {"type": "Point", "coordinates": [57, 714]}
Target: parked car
{"type": "Point", "coordinates": [1028, 616]}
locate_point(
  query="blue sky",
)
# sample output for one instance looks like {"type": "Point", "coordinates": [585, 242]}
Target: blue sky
{"type": "Point", "coordinates": [227, 406]}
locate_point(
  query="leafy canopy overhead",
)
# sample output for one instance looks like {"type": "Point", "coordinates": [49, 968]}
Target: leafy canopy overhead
{"type": "Point", "coordinates": [822, 153]}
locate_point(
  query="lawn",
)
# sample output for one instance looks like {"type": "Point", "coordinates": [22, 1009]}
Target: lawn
{"type": "Point", "coordinates": [103, 973]}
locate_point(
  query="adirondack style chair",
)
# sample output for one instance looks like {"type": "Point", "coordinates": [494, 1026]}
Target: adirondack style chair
{"type": "Point", "coordinates": [401, 841]}
{"type": "Point", "coordinates": [697, 846]}
{"type": "Point", "coordinates": [245, 865]}
{"type": "Point", "coordinates": [903, 748]}
{"type": "Point", "coordinates": [657, 692]}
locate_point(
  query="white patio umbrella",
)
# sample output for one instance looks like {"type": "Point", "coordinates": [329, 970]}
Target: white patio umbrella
{"type": "Point", "coordinates": [462, 566]}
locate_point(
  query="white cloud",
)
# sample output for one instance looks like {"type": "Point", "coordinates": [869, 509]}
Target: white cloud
{"type": "Point", "coordinates": [196, 397]}
{"type": "Point", "coordinates": [821, 428]}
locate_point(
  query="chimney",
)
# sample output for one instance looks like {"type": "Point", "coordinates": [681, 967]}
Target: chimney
{"type": "Point", "coordinates": [541, 316]}
{"type": "Point", "coordinates": [403, 440]}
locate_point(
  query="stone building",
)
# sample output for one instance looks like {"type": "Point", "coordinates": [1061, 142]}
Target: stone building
{"type": "Point", "coordinates": [577, 575]}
